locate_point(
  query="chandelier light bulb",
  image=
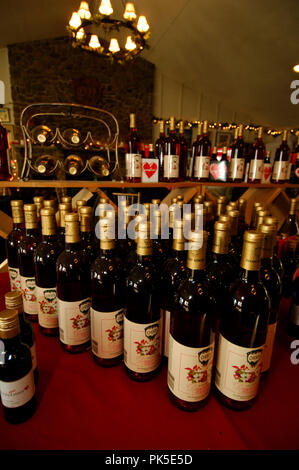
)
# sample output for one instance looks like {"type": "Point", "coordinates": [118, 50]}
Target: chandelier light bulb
{"type": "Point", "coordinates": [142, 24]}
{"type": "Point", "coordinates": [130, 45]}
{"type": "Point", "coordinates": [130, 13]}
{"type": "Point", "coordinates": [75, 20]}
{"type": "Point", "coordinates": [114, 46]}
{"type": "Point", "coordinates": [94, 42]}
{"type": "Point", "coordinates": [80, 34]}
{"type": "Point", "coordinates": [83, 11]}
{"type": "Point", "coordinates": [106, 8]}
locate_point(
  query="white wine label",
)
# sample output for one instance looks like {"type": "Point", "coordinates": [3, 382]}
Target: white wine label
{"type": "Point", "coordinates": [294, 317]}
{"type": "Point", "coordinates": [171, 166]}
{"type": "Point", "coordinates": [289, 169]}
{"type": "Point", "coordinates": [238, 370]}
{"type": "Point", "coordinates": [166, 326]}
{"type": "Point", "coordinates": [107, 333]}
{"type": "Point", "coordinates": [29, 295]}
{"type": "Point", "coordinates": [202, 167]}
{"type": "Point", "coordinates": [236, 168]}
{"type": "Point", "coordinates": [142, 345]}
{"type": "Point", "coordinates": [33, 357]}
{"type": "Point", "coordinates": [268, 349]}
{"type": "Point", "coordinates": [267, 171]}
{"type": "Point", "coordinates": [74, 321]}
{"type": "Point", "coordinates": [280, 170]}
{"type": "Point", "coordinates": [17, 393]}
{"type": "Point", "coordinates": [14, 278]}
{"type": "Point", "coordinates": [256, 169]}
{"type": "Point", "coordinates": [47, 307]}
{"type": "Point", "coordinates": [133, 165]}
{"type": "Point", "coordinates": [189, 371]}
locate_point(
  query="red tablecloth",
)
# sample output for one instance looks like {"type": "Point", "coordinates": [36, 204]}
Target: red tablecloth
{"type": "Point", "coordinates": [84, 406]}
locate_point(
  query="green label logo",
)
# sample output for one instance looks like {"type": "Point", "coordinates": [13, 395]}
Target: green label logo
{"type": "Point", "coordinates": [119, 317]}
{"type": "Point", "coordinates": [50, 295]}
{"type": "Point", "coordinates": [254, 357]}
{"type": "Point", "coordinates": [204, 356]}
{"type": "Point", "coordinates": [151, 331]}
{"type": "Point", "coordinates": [84, 307]}
{"type": "Point", "coordinates": [30, 283]}
{"type": "Point", "coordinates": [13, 274]}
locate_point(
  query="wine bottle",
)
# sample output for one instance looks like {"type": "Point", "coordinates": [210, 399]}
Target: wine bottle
{"type": "Point", "coordinates": [73, 290]}
{"type": "Point", "coordinates": [173, 272]}
{"type": "Point", "coordinates": [192, 332]}
{"type": "Point", "coordinates": [88, 243]}
{"type": "Point", "coordinates": [267, 169]}
{"type": "Point", "coordinates": [17, 387]}
{"type": "Point", "coordinates": [242, 225]}
{"type": "Point", "coordinates": [42, 135]}
{"type": "Point", "coordinates": [74, 165]}
{"type": "Point", "coordinates": [261, 217]}
{"type": "Point", "coordinates": [26, 252]}
{"type": "Point", "coordinates": [221, 205]}
{"type": "Point", "coordinates": [276, 261]}
{"type": "Point", "coordinates": [39, 202]}
{"type": "Point", "coordinates": [237, 160]}
{"type": "Point", "coordinates": [45, 165]}
{"type": "Point", "coordinates": [12, 244]}
{"type": "Point", "coordinates": [46, 256]}
{"type": "Point", "coordinates": [183, 152]}
{"type": "Point", "coordinates": [99, 166]}
{"type": "Point", "coordinates": [271, 280]}
{"type": "Point", "coordinates": [160, 149]}
{"type": "Point", "coordinates": [203, 155]}
{"type": "Point", "coordinates": [133, 155]}
{"type": "Point", "coordinates": [281, 161]}
{"type": "Point", "coordinates": [243, 331]}
{"type": "Point", "coordinates": [293, 317]}
{"type": "Point", "coordinates": [194, 151]}
{"type": "Point", "coordinates": [4, 155]}
{"type": "Point", "coordinates": [235, 246]}
{"type": "Point", "coordinates": [290, 227]}
{"type": "Point", "coordinates": [256, 205]}
{"type": "Point", "coordinates": [257, 159]}
{"type": "Point", "coordinates": [289, 262]}
{"type": "Point", "coordinates": [142, 321]}
{"type": "Point", "coordinates": [294, 178]}
{"type": "Point", "coordinates": [72, 136]}
{"type": "Point", "coordinates": [107, 302]}
{"type": "Point", "coordinates": [80, 203]}
{"type": "Point", "coordinates": [171, 169]}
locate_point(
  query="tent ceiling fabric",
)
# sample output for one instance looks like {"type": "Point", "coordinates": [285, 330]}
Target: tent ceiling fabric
{"type": "Point", "coordinates": [239, 52]}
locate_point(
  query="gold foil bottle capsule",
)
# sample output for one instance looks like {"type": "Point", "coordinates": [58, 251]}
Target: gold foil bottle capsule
{"type": "Point", "coordinates": [48, 221]}
{"type": "Point", "coordinates": [72, 234]}
{"type": "Point", "coordinates": [17, 209]}
{"type": "Point", "coordinates": [85, 218]}
{"type": "Point", "coordinates": [269, 242]}
{"type": "Point", "coordinates": [252, 250]}
{"type": "Point", "coordinates": [178, 242]}
{"type": "Point", "coordinates": [64, 208]}
{"type": "Point", "coordinates": [30, 212]}
{"type": "Point", "coordinates": [9, 323]}
{"type": "Point", "coordinates": [144, 242]}
{"type": "Point", "coordinates": [221, 238]}
{"type": "Point", "coordinates": [14, 301]}
{"type": "Point", "coordinates": [197, 248]}
{"type": "Point", "coordinates": [107, 241]}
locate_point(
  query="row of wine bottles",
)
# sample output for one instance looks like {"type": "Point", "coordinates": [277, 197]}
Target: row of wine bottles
{"type": "Point", "coordinates": [210, 309]}
{"type": "Point", "coordinates": [240, 163]}
{"type": "Point", "coordinates": [73, 165]}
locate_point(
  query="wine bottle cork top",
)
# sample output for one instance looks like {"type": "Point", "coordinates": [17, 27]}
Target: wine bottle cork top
{"type": "Point", "coordinates": [49, 203]}
{"type": "Point", "coordinates": [9, 323]}
{"type": "Point", "coordinates": [73, 217]}
{"type": "Point", "coordinates": [13, 300]}
{"type": "Point", "coordinates": [16, 203]}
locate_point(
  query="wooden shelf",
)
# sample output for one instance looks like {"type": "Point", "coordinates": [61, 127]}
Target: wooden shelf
{"type": "Point", "coordinates": [93, 185]}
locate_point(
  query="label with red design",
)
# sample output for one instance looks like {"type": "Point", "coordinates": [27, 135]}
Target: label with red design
{"type": "Point", "coordinates": [29, 295]}
{"type": "Point", "coordinates": [142, 345]}
{"type": "Point", "coordinates": [47, 307]}
{"type": "Point", "coordinates": [256, 169]}
{"type": "Point", "coordinates": [17, 393]}
{"type": "Point", "coordinates": [133, 165]}
{"type": "Point", "coordinates": [238, 370]}
{"type": "Point", "coordinates": [14, 278]}
{"type": "Point", "coordinates": [189, 371]}
{"type": "Point", "coordinates": [236, 168]}
{"type": "Point", "coordinates": [74, 321]}
{"type": "Point", "coordinates": [267, 171]}
{"type": "Point", "coordinates": [268, 349]}
{"type": "Point", "coordinates": [166, 326]}
{"type": "Point", "coordinates": [202, 167]}
{"type": "Point", "coordinates": [171, 166]}
{"type": "Point", "coordinates": [280, 170]}
{"type": "Point", "coordinates": [33, 357]}
{"type": "Point", "coordinates": [107, 333]}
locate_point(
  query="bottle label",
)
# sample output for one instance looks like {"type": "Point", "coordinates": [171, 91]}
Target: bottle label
{"type": "Point", "coordinates": [268, 349]}
{"type": "Point", "coordinates": [289, 169]}
{"type": "Point", "coordinates": [267, 170]}
{"type": "Point", "coordinates": [29, 295]}
{"type": "Point", "coordinates": [14, 278]}
{"type": "Point", "coordinates": [171, 166]}
{"type": "Point", "coordinates": [142, 345]}
{"type": "Point", "coordinates": [280, 171]}
{"type": "Point", "coordinates": [47, 307]}
{"type": "Point", "coordinates": [17, 393]}
{"type": "Point", "coordinates": [294, 317]}
{"type": "Point", "coordinates": [189, 370]}
{"type": "Point", "coordinates": [202, 167]}
{"type": "Point", "coordinates": [74, 321]}
{"type": "Point", "coordinates": [33, 357]}
{"type": "Point", "coordinates": [133, 165]}
{"type": "Point", "coordinates": [238, 370]}
{"type": "Point", "coordinates": [107, 333]}
{"type": "Point", "coordinates": [236, 168]}
{"type": "Point", "coordinates": [256, 169]}
{"type": "Point", "coordinates": [165, 314]}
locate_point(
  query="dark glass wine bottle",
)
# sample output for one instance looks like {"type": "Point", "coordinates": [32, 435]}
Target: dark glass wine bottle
{"type": "Point", "coordinates": [194, 151]}
{"type": "Point", "coordinates": [160, 149]}
{"type": "Point", "coordinates": [133, 154]}
{"type": "Point", "coordinates": [267, 168]}
{"type": "Point", "coordinates": [142, 321]}
{"type": "Point", "coordinates": [46, 256]}
{"type": "Point", "coordinates": [221, 206]}
{"type": "Point", "coordinates": [171, 169]}
{"type": "Point", "coordinates": [270, 220]}
{"type": "Point", "coordinates": [235, 246]}
{"type": "Point", "coordinates": [281, 161]}
{"type": "Point", "coordinates": [257, 159]}
{"type": "Point", "coordinates": [243, 331]}
{"type": "Point", "coordinates": [107, 302]}
{"type": "Point", "coordinates": [237, 160]}
{"type": "Point", "coordinates": [242, 225]}
{"type": "Point", "coordinates": [14, 301]}
{"type": "Point", "coordinates": [183, 152]}
{"type": "Point", "coordinates": [88, 243]}
{"type": "Point", "coordinates": [192, 332]}
{"type": "Point", "coordinates": [290, 227]}
{"type": "Point", "coordinates": [17, 387]}
{"type": "Point", "coordinates": [73, 290]}
{"type": "Point", "coordinates": [12, 244]}
{"type": "Point", "coordinates": [203, 156]}
{"type": "Point", "coordinates": [27, 249]}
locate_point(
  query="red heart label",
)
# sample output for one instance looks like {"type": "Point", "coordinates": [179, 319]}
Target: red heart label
{"type": "Point", "coordinates": [267, 172]}
{"type": "Point", "coordinates": [214, 170]}
{"type": "Point", "coordinates": [150, 169]}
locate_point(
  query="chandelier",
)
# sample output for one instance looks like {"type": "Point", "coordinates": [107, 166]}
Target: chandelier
{"type": "Point", "coordinates": [99, 32]}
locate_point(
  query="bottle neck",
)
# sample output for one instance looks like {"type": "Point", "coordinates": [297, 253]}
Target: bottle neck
{"type": "Point", "coordinates": [107, 253]}
{"type": "Point", "coordinates": [220, 257]}
{"type": "Point", "coordinates": [249, 276]}
{"type": "Point", "coordinates": [49, 238]}
{"type": "Point", "coordinates": [32, 232]}
{"type": "Point", "coordinates": [10, 343]}
{"type": "Point", "coordinates": [73, 246]}
{"type": "Point", "coordinates": [18, 225]}
{"type": "Point", "coordinates": [144, 259]}
{"type": "Point", "coordinates": [179, 254]}
{"type": "Point", "coordinates": [196, 274]}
